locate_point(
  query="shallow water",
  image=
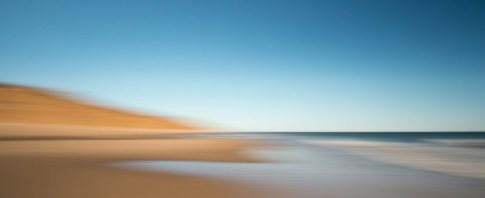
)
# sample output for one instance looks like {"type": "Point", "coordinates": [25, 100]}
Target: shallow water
{"type": "Point", "coordinates": [335, 167]}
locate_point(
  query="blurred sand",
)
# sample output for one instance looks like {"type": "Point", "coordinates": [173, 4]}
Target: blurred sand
{"type": "Point", "coordinates": [81, 168]}
{"type": "Point", "coordinates": [54, 146]}
{"type": "Point", "coordinates": [34, 106]}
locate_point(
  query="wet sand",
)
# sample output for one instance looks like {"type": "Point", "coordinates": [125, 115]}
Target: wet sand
{"type": "Point", "coordinates": [81, 168]}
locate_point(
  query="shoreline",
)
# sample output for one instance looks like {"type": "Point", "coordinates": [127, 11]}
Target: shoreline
{"type": "Point", "coordinates": [215, 166]}
{"type": "Point", "coordinates": [435, 158]}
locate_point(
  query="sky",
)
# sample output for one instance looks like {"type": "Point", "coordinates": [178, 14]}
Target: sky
{"type": "Point", "coordinates": [259, 65]}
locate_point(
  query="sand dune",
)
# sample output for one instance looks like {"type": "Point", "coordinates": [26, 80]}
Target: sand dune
{"type": "Point", "coordinates": [33, 106]}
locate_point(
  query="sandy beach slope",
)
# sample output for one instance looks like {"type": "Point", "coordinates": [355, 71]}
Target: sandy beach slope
{"type": "Point", "coordinates": [37, 106]}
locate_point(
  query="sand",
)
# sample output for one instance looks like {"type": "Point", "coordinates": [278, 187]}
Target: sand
{"type": "Point", "coordinates": [83, 168]}
{"type": "Point", "coordinates": [47, 131]}
{"type": "Point", "coordinates": [30, 105]}
{"type": "Point", "coordinates": [53, 145]}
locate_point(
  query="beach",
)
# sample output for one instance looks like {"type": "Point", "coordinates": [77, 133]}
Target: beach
{"type": "Point", "coordinates": [242, 99]}
{"type": "Point", "coordinates": [225, 165]}
{"type": "Point", "coordinates": [81, 168]}
{"type": "Point", "coordinates": [53, 145]}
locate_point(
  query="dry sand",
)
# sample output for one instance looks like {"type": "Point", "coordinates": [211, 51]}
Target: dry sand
{"type": "Point", "coordinates": [46, 131]}
{"type": "Point", "coordinates": [28, 105]}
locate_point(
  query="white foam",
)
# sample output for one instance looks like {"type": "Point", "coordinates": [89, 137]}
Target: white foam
{"type": "Point", "coordinates": [458, 161]}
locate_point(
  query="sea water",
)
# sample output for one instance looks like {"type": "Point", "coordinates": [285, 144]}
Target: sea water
{"type": "Point", "coordinates": [370, 164]}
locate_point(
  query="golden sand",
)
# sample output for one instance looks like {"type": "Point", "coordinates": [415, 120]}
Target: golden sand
{"type": "Point", "coordinates": [26, 105]}
{"type": "Point", "coordinates": [53, 146]}
{"type": "Point", "coordinates": [80, 168]}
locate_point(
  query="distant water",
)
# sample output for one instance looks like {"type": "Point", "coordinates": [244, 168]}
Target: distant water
{"type": "Point", "coordinates": [369, 136]}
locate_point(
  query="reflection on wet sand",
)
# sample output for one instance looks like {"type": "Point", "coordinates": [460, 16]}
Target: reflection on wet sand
{"type": "Point", "coordinates": [307, 169]}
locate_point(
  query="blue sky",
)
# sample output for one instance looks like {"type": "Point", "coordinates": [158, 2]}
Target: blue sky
{"type": "Point", "coordinates": [262, 65]}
